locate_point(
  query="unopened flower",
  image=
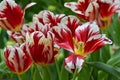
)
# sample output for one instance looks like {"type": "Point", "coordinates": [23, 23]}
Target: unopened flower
{"type": "Point", "coordinates": [17, 58]}
{"type": "Point", "coordinates": [41, 48]}
{"type": "Point", "coordinates": [11, 15]}
{"type": "Point", "coordinates": [73, 62]}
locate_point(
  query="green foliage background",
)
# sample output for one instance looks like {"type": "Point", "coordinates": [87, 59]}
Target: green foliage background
{"type": "Point", "coordinates": [101, 65]}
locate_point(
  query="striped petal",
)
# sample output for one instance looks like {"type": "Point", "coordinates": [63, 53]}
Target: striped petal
{"type": "Point", "coordinates": [85, 9]}
{"type": "Point", "coordinates": [71, 22]}
{"type": "Point", "coordinates": [17, 59]}
{"type": "Point", "coordinates": [47, 17]}
{"type": "Point", "coordinates": [73, 62]}
{"type": "Point", "coordinates": [63, 37]}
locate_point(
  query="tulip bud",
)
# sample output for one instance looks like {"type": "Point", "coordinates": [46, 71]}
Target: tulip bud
{"type": "Point", "coordinates": [41, 48]}
{"type": "Point", "coordinates": [11, 15]}
{"type": "Point", "coordinates": [17, 58]}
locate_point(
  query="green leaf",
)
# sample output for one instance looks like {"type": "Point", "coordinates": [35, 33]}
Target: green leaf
{"type": "Point", "coordinates": [104, 54]}
{"type": "Point", "coordinates": [114, 30]}
{"type": "Point", "coordinates": [115, 59]}
{"type": "Point", "coordinates": [107, 68]}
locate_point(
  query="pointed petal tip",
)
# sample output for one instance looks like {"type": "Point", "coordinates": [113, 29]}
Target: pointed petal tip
{"type": "Point", "coordinates": [29, 5]}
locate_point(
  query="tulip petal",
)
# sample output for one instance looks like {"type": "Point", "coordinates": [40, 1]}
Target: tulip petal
{"type": "Point", "coordinates": [71, 22]}
{"type": "Point", "coordinates": [73, 62]}
{"type": "Point", "coordinates": [63, 37]}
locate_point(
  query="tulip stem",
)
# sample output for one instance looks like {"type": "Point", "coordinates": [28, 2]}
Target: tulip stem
{"type": "Point", "coordinates": [75, 74]}
{"type": "Point", "coordinates": [38, 72]}
{"type": "Point", "coordinates": [58, 70]}
{"type": "Point", "coordinates": [19, 77]}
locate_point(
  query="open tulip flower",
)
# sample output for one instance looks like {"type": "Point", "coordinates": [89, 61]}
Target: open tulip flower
{"type": "Point", "coordinates": [11, 15]}
{"type": "Point", "coordinates": [17, 58]}
{"type": "Point", "coordinates": [86, 40]}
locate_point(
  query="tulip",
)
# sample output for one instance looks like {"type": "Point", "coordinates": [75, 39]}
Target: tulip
{"type": "Point", "coordinates": [17, 58]}
{"type": "Point", "coordinates": [41, 48]}
{"type": "Point", "coordinates": [11, 15]}
{"type": "Point", "coordinates": [86, 40]}
{"type": "Point", "coordinates": [106, 11]}
{"type": "Point", "coordinates": [85, 9]}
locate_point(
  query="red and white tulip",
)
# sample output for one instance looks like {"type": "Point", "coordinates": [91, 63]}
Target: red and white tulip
{"type": "Point", "coordinates": [86, 40]}
{"type": "Point", "coordinates": [106, 10]}
{"type": "Point", "coordinates": [11, 15]}
{"type": "Point", "coordinates": [85, 9]}
{"type": "Point", "coordinates": [17, 58]}
{"type": "Point", "coordinates": [41, 48]}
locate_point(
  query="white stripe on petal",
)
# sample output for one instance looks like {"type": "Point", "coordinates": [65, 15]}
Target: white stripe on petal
{"type": "Point", "coordinates": [106, 40]}
{"type": "Point", "coordinates": [82, 27]}
{"type": "Point", "coordinates": [11, 3]}
{"type": "Point", "coordinates": [72, 18]}
{"type": "Point", "coordinates": [89, 9]}
{"type": "Point", "coordinates": [8, 24]}
{"type": "Point", "coordinates": [46, 15]}
{"type": "Point", "coordinates": [29, 5]}
{"type": "Point", "coordinates": [79, 63]}
{"type": "Point", "coordinates": [70, 65]}
{"type": "Point", "coordinates": [73, 7]}
{"type": "Point", "coordinates": [3, 5]}
{"type": "Point", "coordinates": [21, 54]}
{"type": "Point", "coordinates": [12, 58]}
{"type": "Point", "coordinates": [94, 37]}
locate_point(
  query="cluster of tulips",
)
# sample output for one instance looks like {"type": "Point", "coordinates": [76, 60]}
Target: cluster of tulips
{"type": "Point", "coordinates": [39, 42]}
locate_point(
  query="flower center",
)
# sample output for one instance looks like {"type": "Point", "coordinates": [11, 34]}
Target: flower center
{"type": "Point", "coordinates": [79, 48]}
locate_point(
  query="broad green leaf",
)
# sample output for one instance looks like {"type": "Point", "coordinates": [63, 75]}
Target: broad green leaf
{"type": "Point", "coordinates": [115, 59]}
{"type": "Point", "coordinates": [107, 68]}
